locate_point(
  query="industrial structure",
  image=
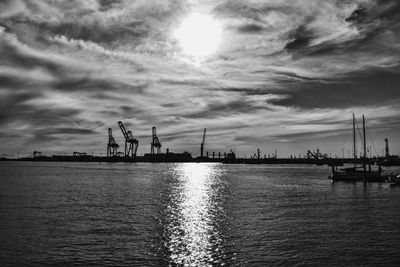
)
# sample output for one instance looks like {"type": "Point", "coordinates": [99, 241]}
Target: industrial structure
{"type": "Point", "coordinates": [155, 143]}
{"type": "Point", "coordinates": [79, 154]}
{"type": "Point", "coordinates": [112, 146]}
{"type": "Point", "coordinates": [37, 154]}
{"type": "Point", "coordinates": [155, 155]}
{"type": "Point", "coordinates": [390, 160]}
{"type": "Point", "coordinates": [202, 144]}
{"type": "Point", "coordinates": [317, 155]}
{"type": "Point", "coordinates": [131, 143]}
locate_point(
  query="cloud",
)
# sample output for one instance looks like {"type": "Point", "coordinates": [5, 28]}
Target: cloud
{"type": "Point", "coordinates": [302, 37]}
{"type": "Point", "coordinates": [129, 22]}
{"type": "Point", "coordinates": [217, 109]}
{"type": "Point", "coordinates": [285, 71]}
{"type": "Point", "coordinates": [251, 28]}
{"type": "Point", "coordinates": [9, 8]}
{"type": "Point", "coordinates": [372, 87]}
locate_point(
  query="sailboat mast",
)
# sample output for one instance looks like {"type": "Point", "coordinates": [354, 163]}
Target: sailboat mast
{"type": "Point", "coordinates": [365, 141]}
{"type": "Point", "coordinates": [365, 150]}
{"type": "Point", "coordinates": [354, 140]}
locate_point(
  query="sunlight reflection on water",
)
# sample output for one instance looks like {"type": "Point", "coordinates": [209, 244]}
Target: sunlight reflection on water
{"type": "Point", "coordinates": [192, 237]}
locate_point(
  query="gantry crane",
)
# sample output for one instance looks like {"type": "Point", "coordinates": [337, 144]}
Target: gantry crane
{"type": "Point", "coordinates": [203, 143]}
{"type": "Point", "coordinates": [112, 146]}
{"type": "Point", "coordinates": [131, 143]}
{"type": "Point", "coordinates": [155, 142]}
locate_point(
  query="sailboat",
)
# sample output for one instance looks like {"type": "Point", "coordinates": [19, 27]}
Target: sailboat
{"type": "Point", "coordinates": [394, 179]}
{"type": "Point", "coordinates": [358, 173]}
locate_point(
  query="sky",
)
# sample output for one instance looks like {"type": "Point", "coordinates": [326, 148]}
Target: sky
{"type": "Point", "coordinates": [266, 74]}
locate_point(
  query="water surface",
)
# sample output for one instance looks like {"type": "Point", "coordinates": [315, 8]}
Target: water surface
{"type": "Point", "coordinates": [192, 215]}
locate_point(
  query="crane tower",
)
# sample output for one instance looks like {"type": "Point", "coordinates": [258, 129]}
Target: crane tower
{"type": "Point", "coordinates": [112, 146]}
{"type": "Point", "coordinates": [155, 144]}
{"type": "Point", "coordinates": [131, 143]}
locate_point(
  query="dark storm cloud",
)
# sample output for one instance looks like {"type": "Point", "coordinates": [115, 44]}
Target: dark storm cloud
{"type": "Point", "coordinates": [358, 15]}
{"type": "Point", "coordinates": [17, 111]}
{"type": "Point", "coordinates": [374, 21]}
{"type": "Point", "coordinates": [251, 28]}
{"type": "Point", "coordinates": [247, 91]}
{"type": "Point", "coordinates": [301, 36]}
{"type": "Point", "coordinates": [374, 87]}
{"type": "Point", "coordinates": [384, 10]}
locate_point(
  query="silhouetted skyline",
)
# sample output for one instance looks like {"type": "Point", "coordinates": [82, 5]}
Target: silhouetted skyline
{"type": "Point", "coordinates": [257, 74]}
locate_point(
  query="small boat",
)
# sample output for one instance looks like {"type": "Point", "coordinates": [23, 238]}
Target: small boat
{"type": "Point", "coordinates": [394, 179]}
{"type": "Point", "coordinates": [358, 173]}
{"type": "Point", "coordinates": [354, 174]}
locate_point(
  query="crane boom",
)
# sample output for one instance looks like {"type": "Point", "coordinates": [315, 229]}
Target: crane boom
{"type": "Point", "coordinates": [131, 143]}
{"type": "Point", "coordinates": [109, 133]}
{"type": "Point", "coordinates": [123, 130]}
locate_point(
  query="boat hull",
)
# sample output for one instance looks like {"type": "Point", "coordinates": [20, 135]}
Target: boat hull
{"type": "Point", "coordinates": [394, 179]}
{"type": "Point", "coordinates": [358, 176]}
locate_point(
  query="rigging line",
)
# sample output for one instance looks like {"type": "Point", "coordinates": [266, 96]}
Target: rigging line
{"type": "Point", "coordinates": [348, 145]}
{"type": "Point", "coordinates": [370, 137]}
{"type": "Point", "coordinates": [359, 131]}
{"type": "Point", "coordinates": [361, 137]}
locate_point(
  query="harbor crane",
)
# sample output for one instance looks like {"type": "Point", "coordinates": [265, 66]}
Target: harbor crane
{"type": "Point", "coordinates": [155, 144]}
{"type": "Point", "coordinates": [112, 146]}
{"type": "Point", "coordinates": [203, 143]}
{"type": "Point", "coordinates": [131, 143]}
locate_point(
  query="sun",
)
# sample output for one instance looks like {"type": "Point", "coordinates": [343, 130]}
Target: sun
{"type": "Point", "coordinates": [199, 35]}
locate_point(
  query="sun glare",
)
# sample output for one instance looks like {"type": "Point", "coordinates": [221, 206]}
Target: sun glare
{"type": "Point", "coordinates": [199, 35]}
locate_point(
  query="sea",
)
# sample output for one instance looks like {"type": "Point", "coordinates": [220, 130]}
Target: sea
{"type": "Point", "coordinates": [193, 214]}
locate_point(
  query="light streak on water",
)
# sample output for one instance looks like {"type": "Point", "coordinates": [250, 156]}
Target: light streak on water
{"type": "Point", "coordinates": [191, 230]}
